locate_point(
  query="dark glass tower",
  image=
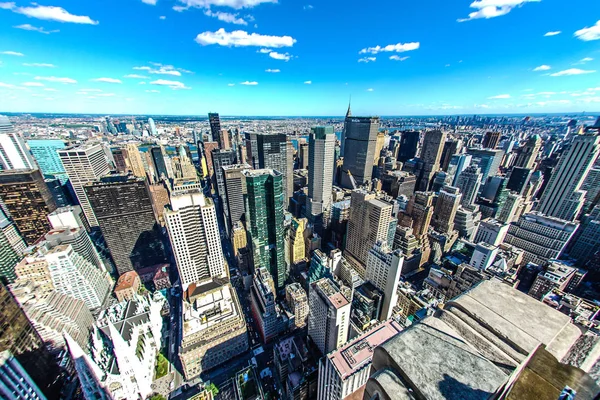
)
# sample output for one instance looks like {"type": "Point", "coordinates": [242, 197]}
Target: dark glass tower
{"type": "Point", "coordinates": [215, 127]}
{"type": "Point", "coordinates": [409, 141]}
{"type": "Point", "coordinates": [360, 140]}
{"type": "Point", "coordinates": [159, 162]}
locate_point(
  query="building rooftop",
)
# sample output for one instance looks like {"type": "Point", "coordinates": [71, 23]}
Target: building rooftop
{"type": "Point", "coordinates": [357, 353]}
{"type": "Point", "coordinates": [126, 281]}
{"type": "Point", "coordinates": [331, 292]}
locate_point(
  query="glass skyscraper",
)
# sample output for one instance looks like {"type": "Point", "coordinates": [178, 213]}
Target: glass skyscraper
{"type": "Point", "coordinates": [45, 152]}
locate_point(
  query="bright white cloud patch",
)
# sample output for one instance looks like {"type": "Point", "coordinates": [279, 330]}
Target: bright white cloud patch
{"type": "Point", "coordinates": [39, 65]}
{"type": "Point", "coordinates": [135, 76]}
{"type": "Point", "coordinates": [572, 71]}
{"type": "Point", "coordinates": [588, 34]}
{"type": "Point", "coordinates": [367, 59]}
{"type": "Point", "coordinates": [161, 69]}
{"type": "Point", "coordinates": [397, 48]}
{"type": "Point", "coordinates": [552, 33]}
{"type": "Point", "coordinates": [226, 17]}
{"type": "Point", "coordinates": [107, 80]}
{"type": "Point", "coordinates": [243, 39]}
{"type": "Point", "coordinates": [500, 96]}
{"type": "Point", "coordinates": [12, 53]}
{"type": "Point", "coordinates": [28, 27]}
{"type": "Point", "coordinates": [487, 9]}
{"type": "Point", "coordinates": [272, 71]}
{"type": "Point", "coordinates": [175, 85]}
{"type": "Point", "coordinates": [308, 82]}
{"type": "Point", "coordinates": [237, 4]}
{"type": "Point", "coordinates": [248, 83]}
{"type": "Point", "coordinates": [48, 13]}
{"type": "Point", "coordinates": [150, 2]}
{"type": "Point", "coordinates": [153, 91]}
{"type": "Point", "coordinates": [33, 84]}
{"type": "Point", "coordinates": [55, 79]}
{"type": "Point", "coordinates": [370, 90]}
{"type": "Point", "coordinates": [162, 17]}
{"type": "Point", "coordinates": [280, 56]}
{"type": "Point", "coordinates": [542, 68]}
{"type": "Point", "coordinates": [398, 58]}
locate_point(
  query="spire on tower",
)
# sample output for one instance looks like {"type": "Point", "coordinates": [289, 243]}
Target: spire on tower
{"type": "Point", "coordinates": [349, 112]}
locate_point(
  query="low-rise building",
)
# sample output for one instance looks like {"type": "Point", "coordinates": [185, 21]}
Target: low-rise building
{"type": "Point", "coordinates": [297, 302]}
{"type": "Point", "coordinates": [127, 286]}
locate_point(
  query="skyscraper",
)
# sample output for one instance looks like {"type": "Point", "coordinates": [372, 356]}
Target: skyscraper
{"type": "Point", "coordinates": [15, 382]}
{"type": "Point", "coordinates": [320, 171]}
{"type": "Point", "coordinates": [360, 140]}
{"type": "Point", "coordinates": [445, 209]}
{"type": "Point", "coordinates": [215, 127]}
{"type": "Point", "coordinates": [45, 153]}
{"type": "Point", "coordinates": [235, 189]}
{"type": "Point", "coordinates": [273, 152]}
{"type": "Point", "coordinates": [491, 140]}
{"type": "Point", "coordinates": [328, 315]}
{"type": "Point", "coordinates": [370, 221]}
{"type": "Point", "coordinates": [264, 221]}
{"type": "Point", "coordinates": [468, 183]}
{"type": "Point", "coordinates": [152, 126]}
{"type": "Point", "coordinates": [563, 197]}
{"type": "Point", "coordinates": [488, 160]}
{"type": "Point", "coordinates": [303, 156]}
{"type": "Point", "coordinates": [528, 153]}
{"type": "Point", "coordinates": [297, 250]}
{"type": "Point", "coordinates": [409, 142]}
{"type": "Point", "coordinates": [160, 162]}
{"type": "Point", "coordinates": [419, 212]}
{"type": "Point", "coordinates": [13, 152]}
{"type": "Point", "coordinates": [84, 164]}
{"type": "Point", "coordinates": [194, 233]}
{"type": "Point", "coordinates": [134, 160]}
{"type": "Point", "coordinates": [221, 158]}
{"type": "Point", "coordinates": [9, 255]}
{"type": "Point", "coordinates": [384, 267]}
{"type": "Point", "coordinates": [124, 212]}
{"type": "Point", "coordinates": [431, 155]}
{"type": "Point", "coordinates": [28, 200]}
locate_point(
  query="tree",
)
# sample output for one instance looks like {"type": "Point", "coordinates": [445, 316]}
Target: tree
{"type": "Point", "coordinates": [157, 397]}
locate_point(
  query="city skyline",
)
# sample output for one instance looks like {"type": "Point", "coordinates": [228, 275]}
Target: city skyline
{"type": "Point", "coordinates": [257, 57]}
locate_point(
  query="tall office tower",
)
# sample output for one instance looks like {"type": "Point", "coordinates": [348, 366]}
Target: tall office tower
{"type": "Point", "coordinates": [528, 153]}
{"type": "Point", "coordinates": [360, 140]}
{"type": "Point", "coordinates": [491, 140]}
{"type": "Point", "coordinates": [458, 163]}
{"type": "Point", "coordinates": [303, 155]}
{"type": "Point", "coordinates": [511, 209]}
{"type": "Point", "coordinates": [264, 221]}
{"type": "Point", "coordinates": [134, 160]}
{"type": "Point", "coordinates": [235, 190]}
{"type": "Point", "coordinates": [15, 382]}
{"type": "Point", "coordinates": [9, 252]}
{"type": "Point", "coordinates": [451, 147]}
{"type": "Point", "coordinates": [297, 251]}
{"type": "Point", "coordinates": [370, 221]}
{"type": "Point", "coordinates": [419, 212]}
{"type": "Point", "coordinates": [124, 212]}
{"type": "Point", "coordinates": [384, 267]}
{"type": "Point", "coordinates": [272, 152]}
{"type": "Point", "coordinates": [79, 239]}
{"type": "Point", "coordinates": [542, 238]}
{"type": "Point", "coordinates": [149, 166]}
{"type": "Point", "coordinates": [289, 177]}
{"type": "Point", "coordinates": [466, 220]}
{"type": "Point", "coordinates": [563, 197]}
{"type": "Point", "coordinates": [328, 315]}
{"type": "Point", "coordinates": [208, 149]}
{"type": "Point", "coordinates": [215, 128]}
{"type": "Point", "coordinates": [379, 143]}
{"type": "Point", "coordinates": [159, 159]}
{"type": "Point", "coordinates": [84, 164]}
{"type": "Point", "coordinates": [587, 239]}
{"type": "Point", "coordinates": [239, 238]}
{"type": "Point", "coordinates": [264, 309]}
{"type": "Point", "coordinates": [26, 197]}
{"type": "Point", "coordinates": [409, 143]}
{"type": "Point", "coordinates": [20, 338]}
{"type": "Point", "coordinates": [221, 158]}
{"type": "Point", "coordinates": [119, 155]}
{"type": "Point", "coordinates": [446, 205]}
{"type": "Point", "coordinates": [45, 152]}
{"type": "Point", "coordinates": [431, 155]}
{"type": "Point", "coordinates": [518, 180]}
{"type": "Point", "coordinates": [52, 313]}
{"type": "Point", "coordinates": [591, 185]}
{"type": "Point", "coordinates": [194, 232]}
{"type": "Point", "coordinates": [214, 328]}
{"type": "Point", "coordinates": [297, 302]}
{"type": "Point", "coordinates": [488, 160]}
{"type": "Point", "coordinates": [224, 139]}
{"type": "Point", "coordinates": [320, 171]}
{"type": "Point", "coordinates": [13, 151]}
{"type": "Point", "coordinates": [491, 232]}
{"type": "Point", "coordinates": [152, 126]}
{"type": "Point", "coordinates": [468, 183]}
{"type": "Point", "coordinates": [344, 372]}
{"type": "Point", "coordinates": [184, 170]}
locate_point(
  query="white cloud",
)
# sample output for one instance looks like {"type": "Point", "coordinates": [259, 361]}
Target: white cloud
{"type": "Point", "coordinates": [367, 59]}
{"type": "Point", "coordinates": [552, 33]}
{"type": "Point", "coordinates": [175, 85]}
{"type": "Point", "coordinates": [231, 84]}
{"type": "Point", "coordinates": [135, 76]}
{"type": "Point", "coordinates": [105, 94]}
{"type": "Point", "coordinates": [161, 69]}
{"type": "Point", "coordinates": [33, 84]}
{"type": "Point", "coordinates": [150, 2]}
{"type": "Point", "coordinates": [49, 13]}
{"type": "Point", "coordinates": [226, 17]}
{"type": "Point", "coordinates": [162, 17]}
{"type": "Point", "coordinates": [572, 71]}
{"type": "Point", "coordinates": [308, 82]}
{"type": "Point", "coordinates": [542, 68]}
{"type": "Point", "coordinates": [280, 56]}
{"type": "Point", "coordinates": [370, 90]}
{"type": "Point", "coordinates": [398, 58]}
{"type": "Point", "coordinates": [39, 65]}
{"type": "Point", "coordinates": [153, 91]}
{"type": "Point", "coordinates": [494, 8]}
{"type": "Point", "coordinates": [237, 4]}
{"type": "Point", "coordinates": [584, 60]}
{"type": "Point", "coordinates": [588, 34]}
{"type": "Point", "coordinates": [92, 90]}
{"type": "Point", "coordinates": [107, 80]}
{"type": "Point", "coordinates": [55, 79]}
{"type": "Point", "coordinates": [28, 27]}
{"type": "Point", "coordinates": [12, 53]}
{"type": "Point", "coordinates": [264, 51]}
{"type": "Point", "coordinates": [243, 38]}
{"type": "Point", "coordinates": [9, 86]}
{"type": "Point", "coordinates": [273, 71]}
{"type": "Point", "coordinates": [398, 48]}
{"type": "Point", "coordinates": [500, 96]}
{"type": "Point", "coordinates": [50, 89]}
{"type": "Point", "coordinates": [308, 7]}
{"type": "Point", "coordinates": [248, 83]}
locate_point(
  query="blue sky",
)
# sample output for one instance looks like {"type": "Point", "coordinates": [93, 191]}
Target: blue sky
{"type": "Point", "coordinates": [301, 57]}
